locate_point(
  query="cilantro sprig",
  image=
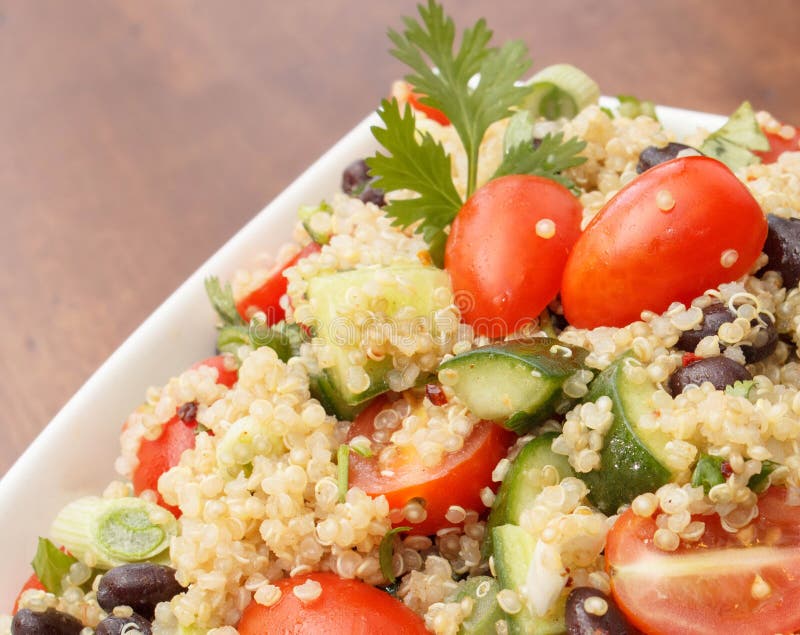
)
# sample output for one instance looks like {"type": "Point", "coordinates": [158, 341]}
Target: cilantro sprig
{"type": "Point", "coordinates": [474, 85]}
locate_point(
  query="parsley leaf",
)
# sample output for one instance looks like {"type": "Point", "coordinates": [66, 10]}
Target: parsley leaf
{"type": "Point", "coordinates": [51, 565]}
{"type": "Point", "coordinates": [549, 159]}
{"type": "Point", "coordinates": [223, 302]}
{"type": "Point", "coordinates": [419, 164]}
{"type": "Point", "coordinates": [444, 78]}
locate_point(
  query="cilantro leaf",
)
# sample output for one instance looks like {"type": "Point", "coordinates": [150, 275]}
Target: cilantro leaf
{"type": "Point", "coordinates": [444, 77]}
{"type": "Point", "coordinates": [549, 159]}
{"type": "Point", "coordinates": [222, 300]}
{"type": "Point", "coordinates": [416, 163]}
{"type": "Point", "coordinates": [51, 565]}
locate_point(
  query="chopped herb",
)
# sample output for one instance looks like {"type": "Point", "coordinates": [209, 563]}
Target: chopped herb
{"type": "Point", "coordinates": [608, 111]}
{"type": "Point", "coordinates": [223, 302]}
{"type": "Point", "coordinates": [283, 338]}
{"type": "Point", "coordinates": [420, 165]}
{"type": "Point", "coordinates": [343, 466]}
{"type": "Point", "coordinates": [632, 107]}
{"type": "Point", "coordinates": [51, 565]}
{"type": "Point", "coordinates": [552, 156]}
{"type": "Point", "coordinates": [386, 553]}
{"type": "Point", "coordinates": [740, 388]}
{"type": "Point", "coordinates": [760, 482]}
{"type": "Point", "coordinates": [708, 472]}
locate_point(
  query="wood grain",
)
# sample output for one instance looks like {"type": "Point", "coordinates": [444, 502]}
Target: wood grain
{"type": "Point", "coordinates": [136, 137]}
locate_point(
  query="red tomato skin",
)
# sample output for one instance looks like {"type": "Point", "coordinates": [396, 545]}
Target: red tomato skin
{"type": "Point", "coordinates": [457, 480]}
{"type": "Point", "coordinates": [345, 607]}
{"type": "Point", "coordinates": [634, 256]}
{"type": "Point", "coordinates": [32, 583]}
{"type": "Point", "coordinates": [267, 297]}
{"type": "Point", "coordinates": [503, 273]}
{"type": "Point", "coordinates": [717, 602]}
{"type": "Point", "coordinates": [225, 375]}
{"type": "Point", "coordinates": [778, 145]}
{"type": "Point", "coordinates": [432, 113]}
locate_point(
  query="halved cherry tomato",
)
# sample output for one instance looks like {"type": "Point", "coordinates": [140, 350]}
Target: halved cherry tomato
{"type": "Point", "coordinates": [32, 583]}
{"type": "Point", "coordinates": [345, 607]}
{"type": "Point", "coordinates": [504, 260]}
{"type": "Point", "coordinates": [267, 297]}
{"type": "Point", "coordinates": [457, 480]}
{"type": "Point", "coordinates": [159, 455]}
{"type": "Point", "coordinates": [778, 145]}
{"type": "Point", "coordinates": [432, 113]}
{"type": "Point", "coordinates": [726, 583]}
{"type": "Point", "coordinates": [644, 252]}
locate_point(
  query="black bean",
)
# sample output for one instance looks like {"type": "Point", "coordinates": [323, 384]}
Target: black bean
{"type": "Point", "coordinates": [140, 586]}
{"type": "Point", "coordinates": [581, 622]}
{"type": "Point", "coordinates": [372, 195]}
{"type": "Point", "coordinates": [355, 177]}
{"type": "Point", "coordinates": [714, 316]}
{"type": "Point", "coordinates": [765, 342]}
{"type": "Point", "coordinates": [113, 625]}
{"type": "Point", "coordinates": [51, 622]}
{"type": "Point", "coordinates": [188, 412]}
{"type": "Point", "coordinates": [652, 155]}
{"type": "Point", "coordinates": [783, 249]}
{"type": "Point", "coordinates": [720, 371]}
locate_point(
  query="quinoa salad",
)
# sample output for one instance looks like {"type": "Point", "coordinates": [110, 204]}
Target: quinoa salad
{"type": "Point", "coordinates": [532, 369]}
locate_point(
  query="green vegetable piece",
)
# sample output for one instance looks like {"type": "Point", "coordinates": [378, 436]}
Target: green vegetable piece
{"type": "Point", "coordinates": [549, 159]}
{"type": "Point", "coordinates": [343, 470]}
{"type": "Point", "coordinates": [362, 451]}
{"type": "Point", "coordinates": [51, 565]}
{"type": "Point", "coordinates": [632, 107]}
{"type": "Point", "coordinates": [760, 482]}
{"type": "Point", "coordinates": [561, 90]}
{"type": "Point", "coordinates": [483, 590]}
{"type": "Point", "coordinates": [708, 472]}
{"type": "Point", "coordinates": [524, 482]}
{"type": "Point", "coordinates": [513, 553]}
{"type": "Point", "coordinates": [516, 383]}
{"type": "Point", "coordinates": [734, 141]}
{"type": "Point", "coordinates": [519, 131]}
{"type": "Point", "coordinates": [632, 460]}
{"type": "Point", "coordinates": [306, 213]}
{"type": "Point", "coordinates": [222, 300]}
{"type": "Point", "coordinates": [740, 388]}
{"type": "Point", "coordinates": [331, 400]}
{"type": "Point", "coordinates": [386, 553]}
{"type": "Point", "coordinates": [285, 339]}
{"type": "Point", "coordinates": [114, 531]}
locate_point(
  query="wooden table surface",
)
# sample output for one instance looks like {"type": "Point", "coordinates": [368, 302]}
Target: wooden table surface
{"type": "Point", "coordinates": [137, 136]}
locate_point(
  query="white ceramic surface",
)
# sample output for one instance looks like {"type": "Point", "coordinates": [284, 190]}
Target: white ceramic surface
{"type": "Point", "coordinates": [74, 454]}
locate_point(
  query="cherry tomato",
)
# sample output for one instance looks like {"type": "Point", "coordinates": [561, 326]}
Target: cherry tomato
{"type": "Point", "coordinates": [159, 455]}
{"type": "Point", "coordinates": [778, 145]}
{"type": "Point", "coordinates": [432, 113]}
{"type": "Point", "coordinates": [457, 480]}
{"type": "Point", "coordinates": [267, 297]}
{"type": "Point", "coordinates": [32, 583]}
{"type": "Point", "coordinates": [711, 586]}
{"type": "Point", "coordinates": [680, 228]}
{"type": "Point", "coordinates": [504, 260]}
{"type": "Point", "coordinates": [345, 607]}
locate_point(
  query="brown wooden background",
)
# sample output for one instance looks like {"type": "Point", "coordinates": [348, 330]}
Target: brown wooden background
{"type": "Point", "coordinates": [137, 135]}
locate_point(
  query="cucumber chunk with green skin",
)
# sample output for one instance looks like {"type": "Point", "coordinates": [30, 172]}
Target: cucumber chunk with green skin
{"type": "Point", "coordinates": [513, 554]}
{"type": "Point", "coordinates": [516, 383]}
{"type": "Point", "coordinates": [322, 390]}
{"type": "Point", "coordinates": [415, 292]}
{"type": "Point", "coordinates": [306, 214]}
{"type": "Point", "coordinates": [524, 481]}
{"type": "Point", "coordinates": [633, 460]}
{"type": "Point", "coordinates": [486, 611]}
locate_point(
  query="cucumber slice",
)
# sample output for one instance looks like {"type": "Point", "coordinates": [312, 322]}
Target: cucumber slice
{"type": "Point", "coordinates": [319, 230]}
{"type": "Point", "coordinates": [416, 294]}
{"type": "Point", "coordinates": [561, 90]}
{"type": "Point", "coordinates": [513, 554]}
{"type": "Point", "coordinates": [331, 400]}
{"type": "Point", "coordinates": [517, 383]}
{"type": "Point", "coordinates": [486, 612]}
{"type": "Point", "coordinates": [733, 142]}
{"type": "Point", "coordinates": [523, 482]}
{"type": "Point", "coordinates": [633, 460]}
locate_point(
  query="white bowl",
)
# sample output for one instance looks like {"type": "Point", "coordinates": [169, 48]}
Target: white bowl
{"type": "Point", "coordinates": [74, 454]}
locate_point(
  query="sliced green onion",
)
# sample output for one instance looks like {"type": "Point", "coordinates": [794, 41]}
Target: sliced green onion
{"type": "Point", "coordinates": [632, 107]}
{"type": "Point", "coordinates": [362, 451]}
{"type": "Point", "coordinates": [51, 565]}
{"type": "Point", "coordinates": [561, 90]}
{"type": "Point", "coordinates": [343, 462]}
{"type": "Point", "coordinates": [114, 531]}
{"type": "Point", "coordinates": [386, 553]}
